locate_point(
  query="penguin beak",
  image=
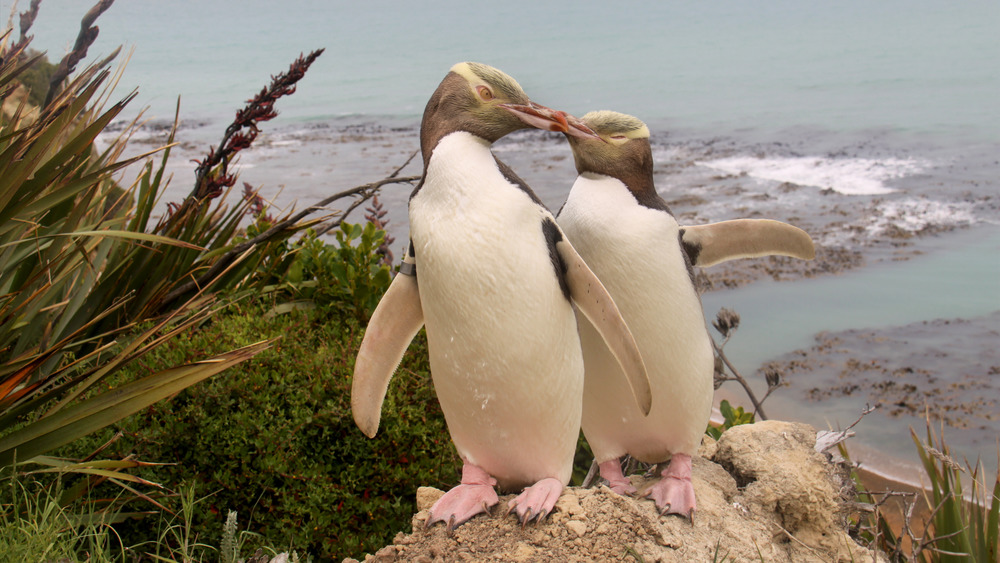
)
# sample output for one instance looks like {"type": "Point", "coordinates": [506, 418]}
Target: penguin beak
{"type": "Point", "coordinates": [578, 128]}
{"type": "Point", "coordinates": [548, 119]}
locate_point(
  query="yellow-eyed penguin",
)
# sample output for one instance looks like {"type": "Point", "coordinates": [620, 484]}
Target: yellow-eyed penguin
{"type": "Point", "coordinates": [491, 277]}
{"type": "Point", "coordinates": [627, 234]}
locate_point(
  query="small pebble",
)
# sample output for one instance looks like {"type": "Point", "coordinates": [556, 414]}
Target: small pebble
{"type": "Point", "coordinates": [577, 527]}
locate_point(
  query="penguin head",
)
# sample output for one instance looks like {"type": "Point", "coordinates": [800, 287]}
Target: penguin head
{"type": "Point", "coordinates": [486, 102]}
{"type": "Point", "coordinates": [620, 147]}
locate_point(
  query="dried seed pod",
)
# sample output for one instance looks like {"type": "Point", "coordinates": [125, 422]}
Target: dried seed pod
{"type": "Point", "coordinates": [720, 373]}
{"type": "Point", "coordinates": [726, 321]}
{"type": "Point", "coordinates": [772, 376]}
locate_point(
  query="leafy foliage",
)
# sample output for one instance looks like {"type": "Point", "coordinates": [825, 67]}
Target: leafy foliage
{"type": "Point", "coordinates": [350, 275]}
{"type": "Point", "coordinates": [60, 236]}
{"type": "Point", "coordinates": [36, 79]}
{"type": "Point", "coordinates": [959, 524]}
{"type": "Point", "coordinates": [730, 417]}
{"type": "Point", "coordinates": [82, 266]}
{"type": "Point", "coordinates": [90, 285]}
{"type": "Point", "coordinates": [34, 526]}
{"type": "Point", "coordinates": [965, 529]}
{"type": "Point", "coordinates": [275, 441]}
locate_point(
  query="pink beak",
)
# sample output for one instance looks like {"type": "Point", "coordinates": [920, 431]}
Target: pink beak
{"type": "Point", "coordinates": [548, 119]}
{"type": "Point", "coordinates": [578, 128]}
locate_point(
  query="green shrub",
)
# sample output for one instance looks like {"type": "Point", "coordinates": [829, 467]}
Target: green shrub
{"type": "Point", "coordinates": [61, 257]}
{"type": "Point", "coordinates": [349, 276]}
{"type": "Point", "coordinates": [36, 79]}
{"type": "Point", "coordinates": [274, 440]}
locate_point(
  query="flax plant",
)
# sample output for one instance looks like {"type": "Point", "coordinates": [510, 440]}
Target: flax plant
{"type": "Point", "coordinates": [67, 231]}
{"type": "Point", "coordinates": [962, 522]}
{"type": "Point", "coordinates": [965, 521]}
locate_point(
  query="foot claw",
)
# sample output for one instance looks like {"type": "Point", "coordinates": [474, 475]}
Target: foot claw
{"type": "Point", "coordinates": [537, 501]}
{"type": "Point", "coordinates": [674, 493]}
{"type": "Point", "coordinates": [474, 496]}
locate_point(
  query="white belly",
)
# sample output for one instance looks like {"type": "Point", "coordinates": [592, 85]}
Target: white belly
{"type": "Point", "coordinates": [504, 351]}
{"type": "Point", "coordinates": [636, 254]}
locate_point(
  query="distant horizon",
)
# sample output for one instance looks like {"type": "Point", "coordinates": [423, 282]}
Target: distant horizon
{"type": "Point", "coordinates": [895, 66]}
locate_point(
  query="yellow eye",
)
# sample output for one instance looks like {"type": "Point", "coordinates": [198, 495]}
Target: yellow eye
{"type": "Point", "coordinates": [484, 93]}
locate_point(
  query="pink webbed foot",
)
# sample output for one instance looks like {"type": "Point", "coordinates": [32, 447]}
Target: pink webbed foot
{"type": "Point", "coordinates": [474, 496]}
{"type": "Point", "coordinates": [537, 501]}
{"type": "Point", "coordinates": [611, 470]}
{"type": "Point", "coordinates": [674, 494]}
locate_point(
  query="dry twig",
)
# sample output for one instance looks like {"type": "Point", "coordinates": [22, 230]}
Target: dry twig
{"type": "Point", "coordinates": [726, 323]}
{"type": "Point", "coordinates": [366, 190]}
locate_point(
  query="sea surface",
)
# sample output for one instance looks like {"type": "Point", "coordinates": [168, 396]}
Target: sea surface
{"type": "Point", "coordinates": [892, 106]}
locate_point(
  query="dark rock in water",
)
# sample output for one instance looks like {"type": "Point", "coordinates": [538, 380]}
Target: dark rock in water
{"type": "Point", "coordinates": [949, 364]}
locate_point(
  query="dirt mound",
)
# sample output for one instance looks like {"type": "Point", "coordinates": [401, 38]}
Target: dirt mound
{"type": "Point", "coordinates": [764, 494]}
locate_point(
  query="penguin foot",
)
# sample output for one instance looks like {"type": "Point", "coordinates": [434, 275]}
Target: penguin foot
{"type": "Point", "coordinates": [674, 493]}
{"type": "Point", "coordinates": [537, 501]}
{"type": "Point", "coordinates": [611, 471]}
{"type": "Point", "coordinates": [473, 496]}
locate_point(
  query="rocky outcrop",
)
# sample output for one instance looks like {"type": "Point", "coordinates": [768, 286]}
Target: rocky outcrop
{"type": "Point", "coordinates": [764, 494]}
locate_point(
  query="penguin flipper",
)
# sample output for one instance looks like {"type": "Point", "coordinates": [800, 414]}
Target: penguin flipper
{"type": "Point", "coordinates": [594, 301]}
{"type": "Point", "coordinates": [397, 319]}
{"type": "Point", "coordinates": [707, 245]}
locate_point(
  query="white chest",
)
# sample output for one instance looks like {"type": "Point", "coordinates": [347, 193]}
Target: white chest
{"type": "Point", "coordinates": [504, 348]}
{"type": "Point", "coordinates": [606, 223]}
{"type": "Point", "coordinates": [636, 253]}
{"type": "Point", "coordinates": [464, 189]}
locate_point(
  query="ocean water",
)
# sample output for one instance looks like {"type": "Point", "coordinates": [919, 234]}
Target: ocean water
{"type": "Point", "coordinates": [890, 106]}
{"type": "Point", "coordinates": [852, 96]}
{"type": "Point", "coordinates": [951, 281]}
{"type": "Point", "coordinates": [922, 66]}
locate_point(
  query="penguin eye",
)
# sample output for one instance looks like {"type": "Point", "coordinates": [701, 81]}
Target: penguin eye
{"type": "Point", "coordinates": [484, 93]}
{"type": "Point", "coordinates": [619, 137]}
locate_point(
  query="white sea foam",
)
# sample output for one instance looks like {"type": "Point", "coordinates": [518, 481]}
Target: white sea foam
{"type": "Point", "coordinates": [915, 214]}
{"type": "Point", "coordinates": [849, 176]}
{"type": "Point", "coordinates": [908, 215]}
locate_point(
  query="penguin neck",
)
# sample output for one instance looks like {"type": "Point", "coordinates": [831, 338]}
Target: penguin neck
{"type": "Point", "coordinates": [432, 138]}
{"type": "Point", "coordinates": [460, 148]}
{"type": "Point", "coordinates": [598, 193]}
{"type": "Point", "coordinates": [463, 162]}
{"type": "Point", "coordinates": [640, 185]}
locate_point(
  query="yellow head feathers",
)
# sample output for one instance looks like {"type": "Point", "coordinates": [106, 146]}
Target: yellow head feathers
{"type": "Point", "coordinates": [502, 84]}
{"type": "Point", "coordinates": [611, 125]}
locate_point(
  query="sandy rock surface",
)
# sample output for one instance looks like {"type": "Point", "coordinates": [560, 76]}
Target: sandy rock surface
{"type": "Point", "coordinates": [763, 493]}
